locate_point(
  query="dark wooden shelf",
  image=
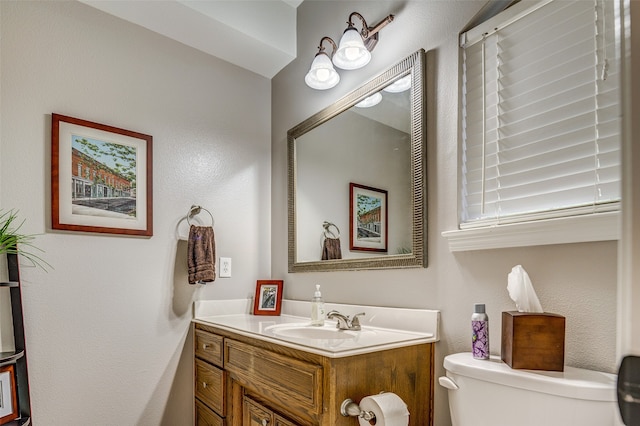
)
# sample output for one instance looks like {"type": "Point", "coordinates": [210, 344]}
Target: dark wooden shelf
{"type": "Point", "coordinates": [10, 357]}
{"type": "Point", "coordinates": [18, 357]}
{"type": "Point", "coordinates": [24, 421]}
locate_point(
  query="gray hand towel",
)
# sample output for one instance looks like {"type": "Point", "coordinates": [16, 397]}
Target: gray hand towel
{"type": "Point", "coordinates": [201, 255]}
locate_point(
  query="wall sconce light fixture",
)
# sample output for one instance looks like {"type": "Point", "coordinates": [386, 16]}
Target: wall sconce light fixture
{"type": "Point", "coordinates": [370, 101]}
{"type": "Point", "coordinates": [322, 75]}
{"type": "Point", "coordinates": [353, 52]}
{"type": "Point", "coordinates": [399, 85]}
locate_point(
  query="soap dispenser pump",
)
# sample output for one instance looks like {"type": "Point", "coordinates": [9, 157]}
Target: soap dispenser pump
{"type": "Point", "coordinates": [317, 308]}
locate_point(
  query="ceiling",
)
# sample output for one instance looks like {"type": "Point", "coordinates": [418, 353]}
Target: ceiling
{"type": "Point", "coordinates": [258, 35]}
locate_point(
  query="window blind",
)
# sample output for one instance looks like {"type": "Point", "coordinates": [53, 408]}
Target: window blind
{"type": "Point", "coordinates": [540, 113]}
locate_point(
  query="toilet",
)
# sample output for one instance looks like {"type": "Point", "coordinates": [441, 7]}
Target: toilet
{"type": "Point", "coordinates": [490, 393]}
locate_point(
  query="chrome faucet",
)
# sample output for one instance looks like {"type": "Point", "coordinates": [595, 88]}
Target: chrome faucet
{"type": "Point", "coordinates": [343, 321]}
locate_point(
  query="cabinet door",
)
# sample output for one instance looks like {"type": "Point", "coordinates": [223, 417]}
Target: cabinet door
{"type": "Point", "coordinates": [254, 414]}
{"type": "Point", "coordinates": [206, 417]}
{"type": "Point", "coordinates": [283, 422]}
{"type": "Point", "coordinates": [295, 384]}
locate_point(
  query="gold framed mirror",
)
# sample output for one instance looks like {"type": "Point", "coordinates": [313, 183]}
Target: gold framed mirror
{"type": "Point", "coordinates": [347, 146]}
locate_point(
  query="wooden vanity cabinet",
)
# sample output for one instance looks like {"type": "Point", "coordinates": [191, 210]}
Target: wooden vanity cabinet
{"type": "Point", "coordinates": [210, 384]}
{"type": "Point", "coordinates": [242, 381]}
{"type": "Point", "coordinates": [255, 414]}
{"type": "Point", "coordinates": [204, 416]}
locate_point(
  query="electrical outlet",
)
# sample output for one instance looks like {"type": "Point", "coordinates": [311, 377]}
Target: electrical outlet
{"type": "Point", "coordinates": [225, 267]}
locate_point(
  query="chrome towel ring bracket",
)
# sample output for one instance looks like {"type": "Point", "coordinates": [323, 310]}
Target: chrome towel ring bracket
{"type": "Point", "coordinates": [194, 211]}
{"type": "Point", "coordinates": [328, 233]}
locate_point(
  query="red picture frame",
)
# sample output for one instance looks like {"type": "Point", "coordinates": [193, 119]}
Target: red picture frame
{"type": "Point", "coordinates": [8, 400]}
{"type": "Point", "coordinates": [101, 178]}
{"type": "Point", "coordinates": [268, 298]}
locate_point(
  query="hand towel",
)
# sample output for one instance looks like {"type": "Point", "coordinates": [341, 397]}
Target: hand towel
{"type": "Point", "coordinates": [201, 255]}
{"type": "Point", "coordinates": [331, 249]}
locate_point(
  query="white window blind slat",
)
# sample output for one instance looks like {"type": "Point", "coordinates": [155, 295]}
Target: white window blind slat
{"type": "Point", "coordinates": [607, 178]}
{"type": "Point", "coordinates": [560, 21]}
{"type": "Point", "coordinates": [572, 143]}
{"type": "Point", "coordinates": [520, 163]}
{"type": "Point", "coordinates": [546, 17]}
{"type": "Point", "coordinates": [536, 120]}
{"type": "Point", "coordinates": [558, 163]}
{"type": "Point", "coordinates": [548, 137]}
{"type": "Point", "coordinates": [518, 55]}
{"type": "Point", "coordinates": [518, 95]}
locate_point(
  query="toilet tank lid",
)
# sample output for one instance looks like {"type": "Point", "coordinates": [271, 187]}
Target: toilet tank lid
{"type": "Point", "coordinates": [573, 382]}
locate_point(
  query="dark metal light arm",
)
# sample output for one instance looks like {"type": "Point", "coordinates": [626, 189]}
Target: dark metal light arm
{"type": "Point", "coordinates": [366, 30]}
{"type": "Point", "coordinates": [333, 45]}
{"type": "Point", "coordinates": [369, 34]}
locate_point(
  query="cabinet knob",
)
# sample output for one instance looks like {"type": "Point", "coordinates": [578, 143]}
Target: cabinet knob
{"type": "Point", "coordinates": [265, 422]}
{"type": "Point", "coordinates": [205, 346]}
{"type": "Point", "coordinates": [204, 385]}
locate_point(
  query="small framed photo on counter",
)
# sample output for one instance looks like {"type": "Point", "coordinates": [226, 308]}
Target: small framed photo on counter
{"type": "Point", "coordinates": [8, 398]}
{"type": "Point", "coordinates": [268, 299]}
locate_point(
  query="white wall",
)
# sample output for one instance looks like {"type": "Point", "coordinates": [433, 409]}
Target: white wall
{"type": "Point", "coordinates": [358, 153]}
{"type": "Point", "coordinates": [107, 329]}
{"type": "Point", "coordinates": [575, 280]}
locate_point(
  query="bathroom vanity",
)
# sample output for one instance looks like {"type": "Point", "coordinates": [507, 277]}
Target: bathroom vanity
{"type": "Point", "coordinates": [254, 370]}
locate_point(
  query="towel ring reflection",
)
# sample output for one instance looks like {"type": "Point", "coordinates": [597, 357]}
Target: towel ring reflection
{"type": "Point", "coordinates": [328, 233]}
{"type": "Point", "coordinates": [195, 210]}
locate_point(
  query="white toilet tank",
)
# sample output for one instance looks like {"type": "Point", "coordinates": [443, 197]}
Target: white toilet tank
{"type": "Point", "coordinates": [490, 393]}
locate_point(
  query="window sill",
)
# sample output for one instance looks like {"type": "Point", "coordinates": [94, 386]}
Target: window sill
{"type": "Point", "coordinates": [575, 229]}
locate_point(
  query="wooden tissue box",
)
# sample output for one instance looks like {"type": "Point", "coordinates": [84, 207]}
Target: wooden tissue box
{"type": "Point", "coordinates": [532, 341]}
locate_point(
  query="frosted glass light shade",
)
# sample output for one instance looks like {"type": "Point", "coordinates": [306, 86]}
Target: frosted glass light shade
{"type": "Point", "coordinates": [351, 53]}
{"type": "Point", "coordinates": [399, 85]}
{"type": "Point", "coordinates": [322, 75]}
{"type": "Point", "coordinates": [370, 101]}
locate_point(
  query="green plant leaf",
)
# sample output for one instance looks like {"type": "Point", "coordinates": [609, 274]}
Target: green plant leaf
{"type": "Point", "coordinates": [13, 242]}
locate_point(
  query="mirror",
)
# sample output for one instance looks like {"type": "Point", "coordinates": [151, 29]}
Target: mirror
{"type": "Point", "coordinates": [356, 178]}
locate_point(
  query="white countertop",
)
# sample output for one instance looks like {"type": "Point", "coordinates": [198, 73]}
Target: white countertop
{"type": "Point", "coordinates": [382, 328]}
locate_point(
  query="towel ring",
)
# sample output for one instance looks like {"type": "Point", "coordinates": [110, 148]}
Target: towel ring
{"type": "Point", "coordinates": [195, 210]}
{"type": "Point", "coordinates": [327, 232]}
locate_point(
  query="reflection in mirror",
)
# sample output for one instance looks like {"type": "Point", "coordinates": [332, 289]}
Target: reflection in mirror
{"type": "Point", "coordinates": [356, 177]}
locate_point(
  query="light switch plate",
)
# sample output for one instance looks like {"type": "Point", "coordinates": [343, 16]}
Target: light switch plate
{"type": "Point", "coordinates": [225, 267]}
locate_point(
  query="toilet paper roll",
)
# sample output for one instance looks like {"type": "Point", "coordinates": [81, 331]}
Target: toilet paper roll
{"type": "Point", "coordinates": [389, 409]}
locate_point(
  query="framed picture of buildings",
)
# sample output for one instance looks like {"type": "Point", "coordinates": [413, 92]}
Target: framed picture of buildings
{"type": "Point", "coordinates": [367, 218]}
{"type": "Point", "coordinates": [101, 178]}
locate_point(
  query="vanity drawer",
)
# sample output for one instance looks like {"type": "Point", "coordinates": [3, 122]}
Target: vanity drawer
{"type": "Point", "coordinates": [210, 386]}
{"type": "Point", "coordinates": [206, 417]}
{"type": "Point", "coordinates": [292, 383]}
{"type": "Point", "coordinates": [209, 347]}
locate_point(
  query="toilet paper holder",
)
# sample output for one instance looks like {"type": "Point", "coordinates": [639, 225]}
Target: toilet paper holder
{"type": "Point", "coordinates": [350, 408]}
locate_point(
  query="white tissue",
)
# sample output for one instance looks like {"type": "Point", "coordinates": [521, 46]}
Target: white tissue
{"type": "Point", "coordinates": [389, 409]}
{"type": "Point", "coordinates": [521, 291]}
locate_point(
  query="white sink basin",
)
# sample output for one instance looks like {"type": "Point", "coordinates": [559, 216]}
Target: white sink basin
{"type": "Point", "coordinates": [382, 328]}
{"type": "Point", "coordinates": [328, 337]}
{"type": "Point", "coordinates": [307, 331]}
